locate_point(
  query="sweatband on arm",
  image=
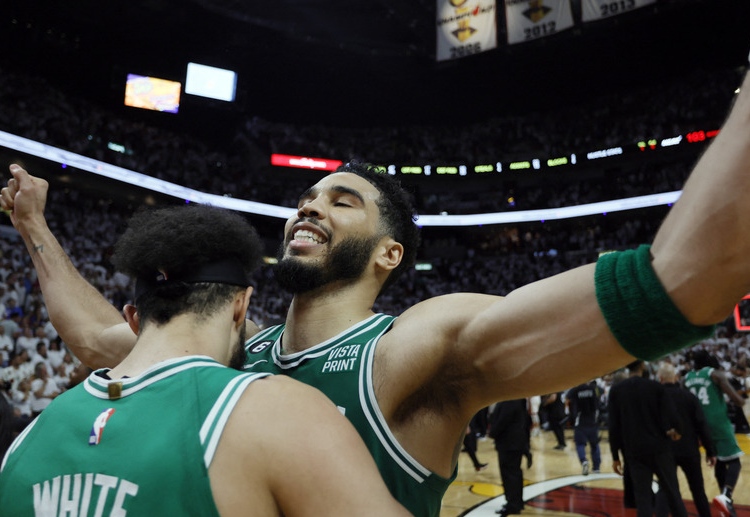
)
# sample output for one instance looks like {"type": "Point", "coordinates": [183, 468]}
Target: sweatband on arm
{"type": "Point", "coordinates": [638, 310]}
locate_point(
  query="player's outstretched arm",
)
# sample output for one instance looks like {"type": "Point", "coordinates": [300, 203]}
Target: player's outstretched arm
{"type": "Point", "coordinates": [721, 379]}
{"type": "Point", "coordinates": [287, 447]}
{"type": "Point", "coordinates": [557, 332]}
{"type": "Point", "coordinates": [94, 330]}
{"type": "Point", "coordinates": [701, 253]}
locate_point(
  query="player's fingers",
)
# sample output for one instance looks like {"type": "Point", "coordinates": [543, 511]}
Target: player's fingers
{"type": "Point", "coordinates": [16, 169]}
{"type": "Point", "coordinates": [6, 199]}
{"type": "Point", "coordinates": [20, 176]}
{"type": "Point", "coordinates": [12, 187]}
{"type": "Point", "coordinates": [23, 180]}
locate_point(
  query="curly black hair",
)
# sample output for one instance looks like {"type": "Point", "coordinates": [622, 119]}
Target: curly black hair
{"type": "Point", "coordinates": [702, 358]}
{"type": "Point", "coordinates": [178, 240]}
{"type": "Point", "coordinates": [397, 212]}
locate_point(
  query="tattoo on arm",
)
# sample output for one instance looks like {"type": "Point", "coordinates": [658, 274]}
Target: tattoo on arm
{"type": "Point", "coordinates": [39, 248]}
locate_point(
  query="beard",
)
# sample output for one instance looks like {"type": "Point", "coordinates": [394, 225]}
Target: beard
{"type": "Point", "coordinates": [344, 262]}
{"type": "Point", "coordinates": [237, 361]}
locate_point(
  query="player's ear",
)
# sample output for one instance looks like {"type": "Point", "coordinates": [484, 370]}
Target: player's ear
{"type": "Point", "coordinates": [241, 303]}
{"type": "Point", "coordinates": [132, 317]}
{"type": "Point", "coordinates": [390, 254]}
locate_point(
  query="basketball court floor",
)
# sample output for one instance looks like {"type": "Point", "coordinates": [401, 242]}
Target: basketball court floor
{"type": "Point", "coordinates": [554, 486]}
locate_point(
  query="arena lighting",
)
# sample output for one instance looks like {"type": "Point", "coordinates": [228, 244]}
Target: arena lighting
{"type": "Point", "coordinates": [69, 159]}
{"type": "Point", "coordinates": [211, 82]}
{"type": "Point", "coordinates": [118, 148]}
{"type": "Point", "coordinates": [554, 162]}
{"type": "Point", "coordinates": [152, 93]}
{"type": "Point", "coordinates": [668, 142]}
{"type": "Point", "coordinates": [303, 162]}
{"type": "Point", "coordinates": [536, 163]}
{"type": "Point", "coordinates": [57, 155]}
{"type": "Point", "coordinates": [604, 153]}
{"type": "Point", "coordinates": [514, 166]}
{"type": "Point", "coordinates": [567, 212]}
{"type": "Point", "coordinates": [701, 136]}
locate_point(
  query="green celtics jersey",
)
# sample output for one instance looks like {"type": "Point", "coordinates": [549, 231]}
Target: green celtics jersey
{"type": "Point", "coordinates": [342, 369]}
{"type": "Point", "coordinates": [126, 447]}
{"type": "Point", "coordinates": [715, 408]}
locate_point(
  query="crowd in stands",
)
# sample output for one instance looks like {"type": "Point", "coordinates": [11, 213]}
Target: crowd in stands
{"type": "Point", "coordinates": [235, 162]}
{"type": "Point", "coordinates": [35, 364]}
{"type": "Point", "coordinates": [88, 229]}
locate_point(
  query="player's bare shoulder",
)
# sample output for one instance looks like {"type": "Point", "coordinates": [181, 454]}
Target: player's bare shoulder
{"type": "Point", "coordinates": [440, 316]}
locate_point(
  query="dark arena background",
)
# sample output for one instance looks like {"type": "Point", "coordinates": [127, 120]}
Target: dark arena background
{"type": "Point", "coordinates": [525, 156]}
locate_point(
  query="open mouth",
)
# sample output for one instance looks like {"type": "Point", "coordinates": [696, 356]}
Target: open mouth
{"type": "Point", "coordinates": [309, 237]}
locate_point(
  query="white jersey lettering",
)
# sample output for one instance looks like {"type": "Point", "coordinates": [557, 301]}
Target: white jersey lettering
{"type": "Point", "coordinates": [339, 365]}
{"type": "Point", "coordinates": [70, 495]}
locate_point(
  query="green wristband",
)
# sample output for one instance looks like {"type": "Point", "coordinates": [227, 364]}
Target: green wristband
{"type": "Point", "coordinates": [638, 310]}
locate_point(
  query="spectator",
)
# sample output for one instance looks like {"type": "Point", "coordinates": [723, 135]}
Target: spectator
{"type": "Point", "coordinates": [27, 340]}
{"type": "Point", "coordinates": [12, 323]}
{"type": "Point", "coordinates": [41, 355]}
{"type": "Point", "coordinates": [20, 368]}
{"type": "Point", "coordinates": [55, 350]}
{"type": "Point", "coordinates": [20, 400]}
{"type": "Point", "coordinates": [7, 347]}
{"type": "Point", "coordinates": [43, 389]}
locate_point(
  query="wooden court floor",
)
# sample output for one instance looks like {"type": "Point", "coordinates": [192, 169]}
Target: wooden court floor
{"type": "Point", "coordinates": [554, 486]}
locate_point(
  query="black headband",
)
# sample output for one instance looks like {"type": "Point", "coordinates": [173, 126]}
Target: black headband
{"type": "Point", "coordinates": [225, 271]}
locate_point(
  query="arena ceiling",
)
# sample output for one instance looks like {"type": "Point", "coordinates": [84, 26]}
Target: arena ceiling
{"type": "Point", "coordinates": [347, 62]}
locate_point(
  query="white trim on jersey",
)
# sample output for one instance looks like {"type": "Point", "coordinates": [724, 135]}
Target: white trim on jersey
{"type": "Point", "coordinates": [216, 420]}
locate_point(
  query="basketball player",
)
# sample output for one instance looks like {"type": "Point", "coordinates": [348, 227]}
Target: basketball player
{"type": "Point", "coordinates": [411, 384]}
{"type": "Point", "coordinates": [709, 383]}
{"type": "Point", "coordinates": [171, 430]}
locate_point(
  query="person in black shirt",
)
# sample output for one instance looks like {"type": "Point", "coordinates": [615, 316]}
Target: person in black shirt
{"type": "Point", "coordinates": [583, 407]}
{"type": "Point", "coordinates": [686, 450]}
{"type": "Point", "coordinates": [642, 423]}
{"type": "Point", "coordinates": [555, 409]}
{"type": "Point", "coordinates": [509, 427]}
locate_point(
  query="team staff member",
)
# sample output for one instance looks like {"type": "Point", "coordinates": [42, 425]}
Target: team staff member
{"type": "Point", "coordinates": [642, 423]}
{"type": "Point", "coordinates": [411, 384]}
{"type": "Point", "coordinates": [584, 403]}
{"type": "Point", "coordinates": [687, 453]}
{"type": "Point", "coordinates": [171, 430]}
{"type": "Point", "coordinates": [509, 428]}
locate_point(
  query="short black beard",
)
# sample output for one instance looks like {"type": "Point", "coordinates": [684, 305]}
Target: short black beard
{"type": "Point", "coordinates": [237, 361]}
{"type": "Point", "coordinates": [345, 261]}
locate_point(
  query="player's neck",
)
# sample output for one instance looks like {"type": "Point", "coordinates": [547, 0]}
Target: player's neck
{"type": "Point", "coordinates": [316, 317]}
{"type": "Point", "coordinates": [175, 339]}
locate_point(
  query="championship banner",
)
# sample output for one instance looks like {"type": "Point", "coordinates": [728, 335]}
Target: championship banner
{"type": "Point", "coordinates": [528, 20]}
{"type": "Point", "coordinates": [597, 9]}
{"type": "Point", "coordinates": [465, 27]}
